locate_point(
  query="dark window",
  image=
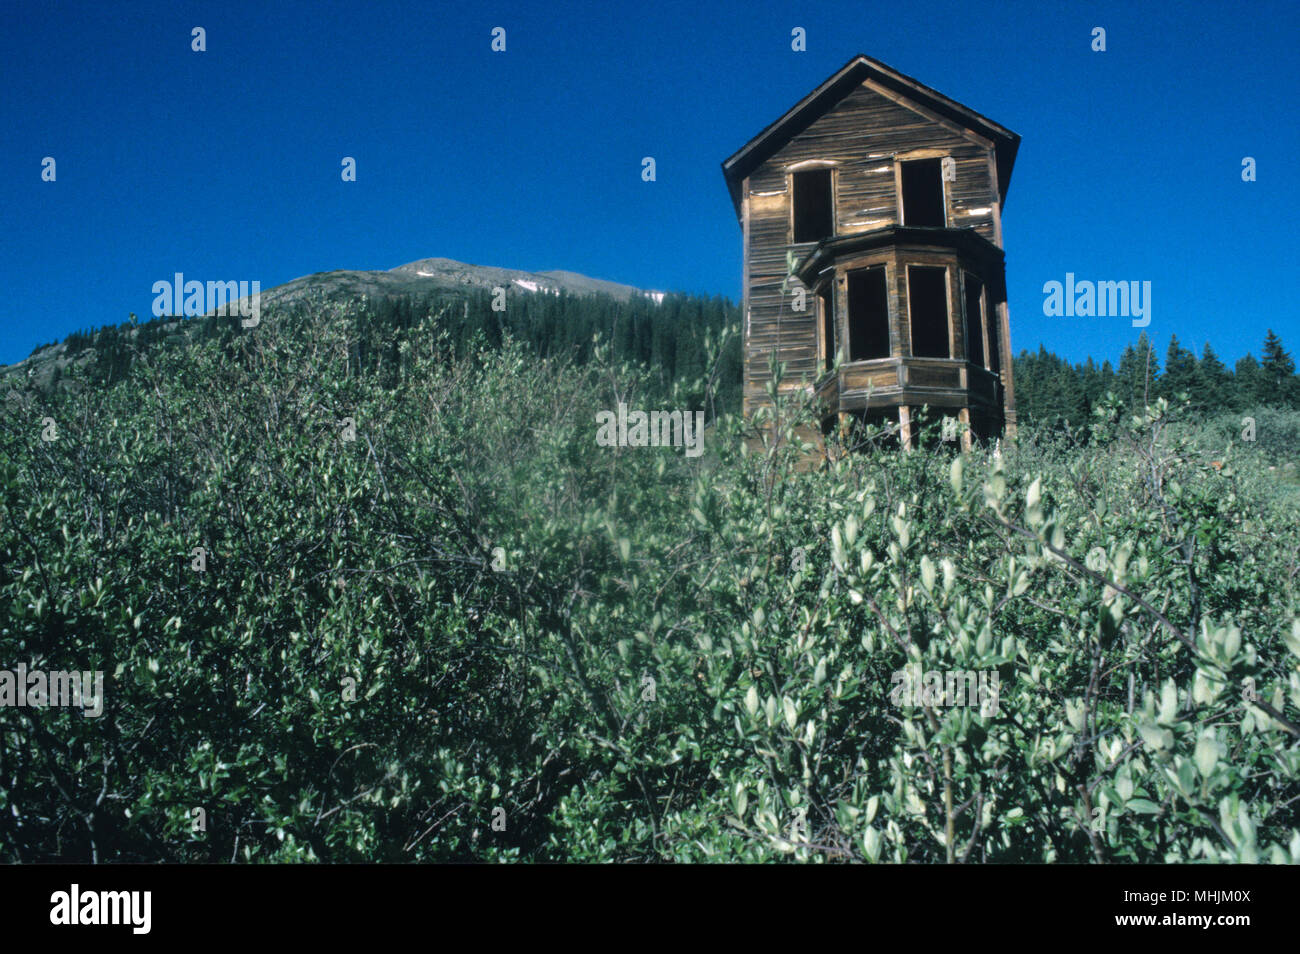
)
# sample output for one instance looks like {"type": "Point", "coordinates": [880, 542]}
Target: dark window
{"type": "Point", "coordinates": [927, 305]}
{"type": "Point", "coordinates": [828, 328]}
{"type": "Point", "coordinates": [814, 210]}
{"type": "Point", "coordinates": [995, 349]}
{"type": "Point", "coordinates": [868, 315]}
{"type": "Point", "coordinates": [923, 193]}
{"type": "Point", "coordinates": [974, 321]}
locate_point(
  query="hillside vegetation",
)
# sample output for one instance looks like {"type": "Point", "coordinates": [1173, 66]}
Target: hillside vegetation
{"type": "Point", "coordinates": [436, 621]}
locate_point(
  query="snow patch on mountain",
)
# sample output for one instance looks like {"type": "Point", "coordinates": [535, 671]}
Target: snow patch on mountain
{"type": "Point", "coordinates": [532, 286]}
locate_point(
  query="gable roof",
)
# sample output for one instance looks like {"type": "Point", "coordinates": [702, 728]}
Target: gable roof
{"type": "Point", "coordinates": [826, 96]}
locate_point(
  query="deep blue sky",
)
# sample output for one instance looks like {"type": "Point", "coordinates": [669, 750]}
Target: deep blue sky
{"type": "Point", "coordinates": [225, 164]}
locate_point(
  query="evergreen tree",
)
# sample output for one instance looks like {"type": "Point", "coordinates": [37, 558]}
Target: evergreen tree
{"type": "Point", "coordinates": [1277, 373]}
{"type": "Point", "coordinates": [1138, 374]}
{"type": "Point", "coordinates": [1106, 382]}
{"type": "Point", "coordinates": [1249, 383]}
{"type": "Point", "coordinates": [1180, 371]}
{"type": "Point", "coordinates": [1213, 390]}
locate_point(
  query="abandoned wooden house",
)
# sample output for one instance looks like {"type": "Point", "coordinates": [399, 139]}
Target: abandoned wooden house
{"type": "Point", "coordinates": [871, 214]}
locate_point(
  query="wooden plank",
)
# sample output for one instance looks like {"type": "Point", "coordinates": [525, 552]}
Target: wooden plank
{"type": "Point", "coordinates": [862, 139]}
{"type": "Point", "coordinates": [859, 379]}
{"type": "Point", "coordinates": [922, 377]}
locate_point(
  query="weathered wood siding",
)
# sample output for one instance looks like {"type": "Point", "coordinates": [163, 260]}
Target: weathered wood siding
{"type": "Point", "coordinates": [861, 136]}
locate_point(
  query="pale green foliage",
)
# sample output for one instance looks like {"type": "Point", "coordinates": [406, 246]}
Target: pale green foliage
{"type": "Point", "coordinates": [1122, 591]}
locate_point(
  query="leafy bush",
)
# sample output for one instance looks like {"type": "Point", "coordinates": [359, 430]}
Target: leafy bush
{"type": "Point", "coordinates": [472, 633]}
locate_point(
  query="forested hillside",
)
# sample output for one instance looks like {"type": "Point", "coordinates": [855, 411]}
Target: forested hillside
{"type": "Point", "coordinates": [669, 338]}
{"type": "Point", "coordinates": [1050, 389]}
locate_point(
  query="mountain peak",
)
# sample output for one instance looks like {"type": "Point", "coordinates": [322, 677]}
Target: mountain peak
{"type": "Point", "coordinates": [449, 272]}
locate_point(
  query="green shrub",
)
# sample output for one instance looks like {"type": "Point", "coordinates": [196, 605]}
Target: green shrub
{"type": "Point", "coordinates": [472, 633]}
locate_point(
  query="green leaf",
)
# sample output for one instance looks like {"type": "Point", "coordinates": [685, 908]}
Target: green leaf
{"type": "Point", "coordinates": [928, 573]}
{"type": "Point", "coordinates": [1292, 639]}
{"type": "Point", "coordinates": [1168, 703]}
{"type": "Point", "coordinates": [871, 844]}
{"type": "Point", "coordinates": [1155, 736]}
{"type": "Point", "coordinates": [1035, 493]}
{"type": "Point", "coordinates": [791, 713]}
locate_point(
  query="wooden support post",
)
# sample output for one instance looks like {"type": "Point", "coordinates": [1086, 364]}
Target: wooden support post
{"type": "Point", "coordinates": [964, 417]}
{"type": "Point", "coordinates": [905, 425]}
{"type": "Point", "coordinates": [843, 421]}
{"type": "Point", "coordinates": [1008, 385]}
